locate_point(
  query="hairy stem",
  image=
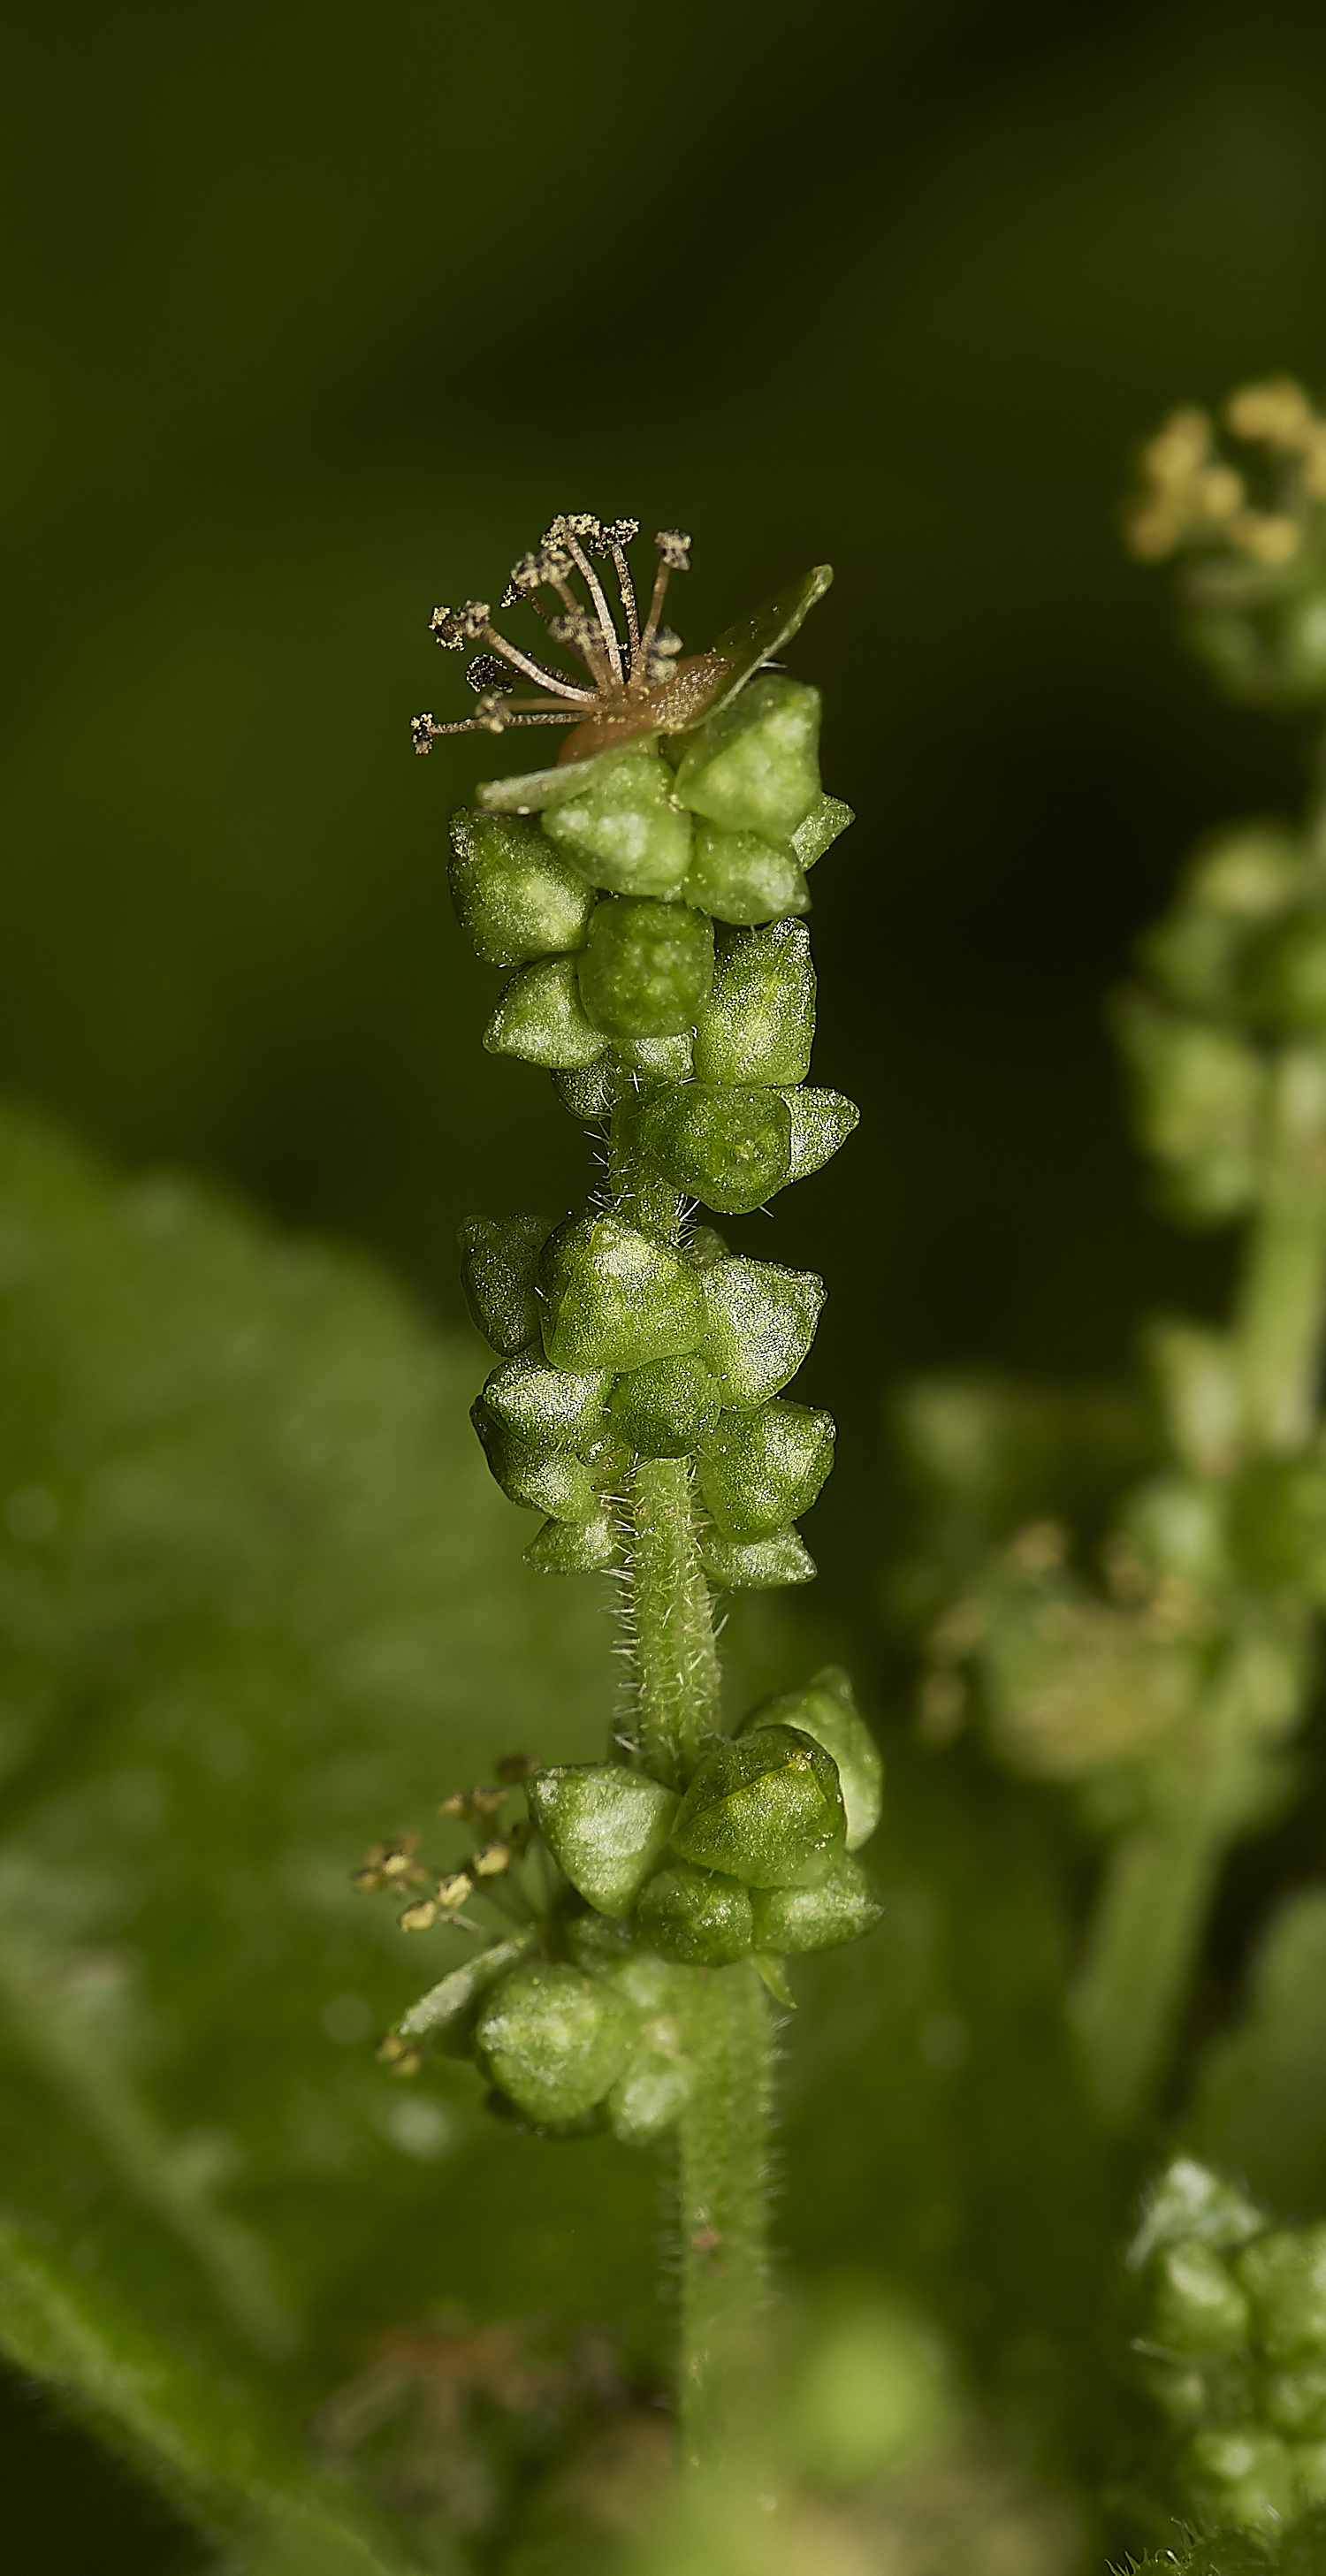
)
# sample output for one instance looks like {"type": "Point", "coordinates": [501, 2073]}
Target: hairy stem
{"type": "Point", "coordinates": [671, 1623]}
{"type": "Point", "coordinates": [723, 2211]}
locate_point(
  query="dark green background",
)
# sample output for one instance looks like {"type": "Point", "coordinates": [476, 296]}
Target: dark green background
{"type": "Point", "coordinates": [318, 315]}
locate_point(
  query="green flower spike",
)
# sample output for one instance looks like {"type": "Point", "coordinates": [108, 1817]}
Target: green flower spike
{"type": "Point", "coordinates": [645, 896]}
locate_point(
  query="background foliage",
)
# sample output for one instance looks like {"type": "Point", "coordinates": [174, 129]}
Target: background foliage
{"type": "Point", "coordinates": [312, 320]}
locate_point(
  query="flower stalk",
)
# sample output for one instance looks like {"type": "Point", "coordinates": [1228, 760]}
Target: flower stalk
{"type": "Point", "coordinates": [647, 897]}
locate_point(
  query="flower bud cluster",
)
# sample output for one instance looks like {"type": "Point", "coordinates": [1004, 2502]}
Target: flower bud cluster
{"type": "Point", "coordinates": [1212, 1566]}
{"type": "Point", "coordinates": [585, 2020]}
{"type": "Point", "coordinates": [1232, 2347]}
{"type": "Point", "coordinates": [649, 901]}
{"type": "Point", "coordinates": [1256, 597]}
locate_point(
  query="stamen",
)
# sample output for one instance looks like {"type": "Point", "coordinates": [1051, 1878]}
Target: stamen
{"type": "Point", "coordinates": [555, 680]}
{"type": "Point", "coordinates": [453, 627]}
{"type": "Point", "coordinates": [618, 537]}
{"type": "Point", "coordinates": [673, 556]}
{"type": "Point", "coordinates": [484, 672]}
{"type": "Point", "coordinates": [572, 530]}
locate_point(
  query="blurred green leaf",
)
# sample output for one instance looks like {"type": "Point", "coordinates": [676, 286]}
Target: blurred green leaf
{"type": "Point", "coordinates": [259, 1602]}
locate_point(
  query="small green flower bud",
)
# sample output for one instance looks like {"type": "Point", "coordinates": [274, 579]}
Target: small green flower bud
{"type": "Point", "coordinates": [828, 817]}
{"type": "Point", "coordinates": [553, 2040]}
{"type": "Point", "coordinates": [605, 1826]}
{"type": "Point", "coordinates": [1198, 2305]}
{"type": "Point", "coordinates": [827, 1710]}
{"type": "Point", "coordinates": [647, 2098]}
{"type": "Point", "coordinates": [761, 1324]}
{"type": "Point", "coordinates": [696, 1916]}
{"type": "Point", "coordinates": [729, 1148]}
{"type": "Point", "coordinates": [513, 894]}
{"type": "Point", "coordinates": [1282, 974]}
{"type": "Point", "coordinates": [1239, 2473]}
{"type": "Point", "coordinates": [1296, 2402]}
{"type": "Point", "coordinates": [658, 1059]}
{"type": "Point", "coordinates": [1175, 1524]}
{"type": "Point", "coordinates": [739, 877]}
{"type": "Point", "coordinates": [758, 1471]}
{"type": "Point", "coordinates": [1198, 1095]}
{"type": "Point", "coordinates": [821, 1122]}
{"type": "Point", "coordinates": [1277, 1523]}
{"type": "Point", "coordinates": [624, 829]}
{"type": "Point", "coordinates": [752, 767]}
{"type": "Point", "coordinates": [574, 1547]}
{"type": "Point", "coordinates": [766, 1809]}
{"type": "Point", "coordinates": [760, 1564]}
{"type": "Point", "coordinates": [758, 1024]}
{"type": "Point", "coordinates": [839, 1908]}
{"type": "Point", "coordinates": [646, 969]}
{"type": "Point", "coordinates": [665, 1408]}
{"type": "Point", "coordinates": [547, 1405]}
{"type": "Point", "coordinates": [529, 1471]}
{"type": "Point", "coordinates": [613, 1298]}
{"type": "Point", "coordinates": [499, 1260]}
{"type": "Point", "coordinates": [1284, 2273]}
{"type": "Point", "coordinates": [540, 1018]}
{"type": "Point", "coordinates": [590, 1091]}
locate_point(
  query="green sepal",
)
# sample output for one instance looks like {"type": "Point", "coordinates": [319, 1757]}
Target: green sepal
{"type": "Point", "coordinates": [665, 1408]}
{"type": "Point", "coordinates": [623, 828]}
{"type": "Point", "coordinates": [758, 1564]}
{"type": "Point", "coordinates": [760, 1470]}
{"type": "Point", "coordinates": [828, 817]}
{"type": "Point", "coordinates": [499, 1261]}
{"type": "Point", "coordinates": [648, 2098]}
{"type": "Point", "coordinates": [740, 877]}
{"type": "Point", "coordinates": [540, 1017]}
{"type": "Point", "coordinates": [605, 1826]}
{"type": "Point", "coordinates": [513, 895]}
{"type": "Point", "coordinates": [1281, 977]}
{"type": "Point", "coordinates": [761, 1323]}
{"type": "Point", "coordinates": [574, 1547]}
{"type": "Point", "coordinates": [758, 1025]}
{"type": "Point", "coordinates": [840, 1907]}
{"type": "Point", "coordinates": [561, 1407]}
{"type": "Point", "coordinates": [759, 638]}
{"type": "Point", "coordinates": [602, 1941]}
{"type": "Point", "coordinates": [646, 969]}
{"type": "Point", "coordinates": [696, 1916]}
{"type": "Point", "coordinates": [727, 1146]}
{"type": "Point", "coordinates": [752, 766]}
{"type": "Point", "coordinates": [543, 1478]}
{"type": "Point", "coordinates": [766, 1809]}
{"type": "Point", "coordinates": [590, 1091]}
{"type": "Point", "coordinates": [827, 1709]}
{"type": "Point", "coordinates": [447, 2010]}
{"type": "Point", "coordinates": [1284, 2275]}
{"type": "Point", "coordinates": [614, 1298]}
{"type": "Point", "coordinates": [703, 1245]}
{"type": "Point", "coordinates": [821, 1122]}
{"type": "Point", "coordinates": [773, 1976]}
{"type": "Point", "coordinates": [553, 2040]}
{"type": "Point", "coordinates": [658, 1059]}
